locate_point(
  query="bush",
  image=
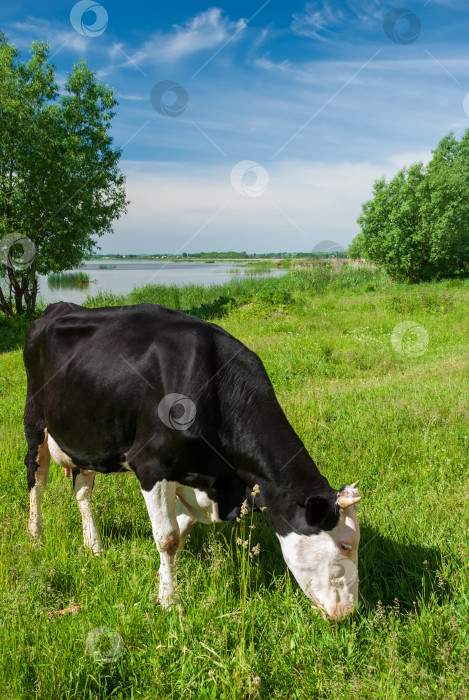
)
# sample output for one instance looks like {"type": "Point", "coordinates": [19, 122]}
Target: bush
{"type": "Point", "coordinates": [417, 225]}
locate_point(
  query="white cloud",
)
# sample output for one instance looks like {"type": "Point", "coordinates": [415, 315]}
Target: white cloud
{"type": "Point", "coordinates": [131, 98]}
{"type": "Point", "coordinates": [399, 160]}
{"type": "Point", "coordinates": [452, 4]}
{"type": "Point", "coordinates": [187, 207]}
{"type": "Point", "coordinates": [206, 30]}
{"type": "Point", "coordinates": [321, 19]}
{"type": "Point", "coordinates": [33, 28]}
{"type": "Point", "coordinates": [316, 18]}
{"type": "Point", "coordinates": [266, 63]}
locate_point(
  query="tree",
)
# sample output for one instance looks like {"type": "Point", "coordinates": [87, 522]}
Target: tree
{"type": "Point", "coordinates": [355, 248]}
{"type": "Point", "coordinates": [60, 186]}
{"type": "Point", "coordinates": [417, 225]}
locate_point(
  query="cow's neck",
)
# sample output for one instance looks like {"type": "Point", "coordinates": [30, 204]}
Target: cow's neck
{"type": "Point", "coordinates": [277, 458]}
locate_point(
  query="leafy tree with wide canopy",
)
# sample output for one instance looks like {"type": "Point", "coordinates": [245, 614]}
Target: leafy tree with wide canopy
{"type": "Point", "coordinates": [60, 185]}
{"type": "Point", "coordinates": [417, 225]}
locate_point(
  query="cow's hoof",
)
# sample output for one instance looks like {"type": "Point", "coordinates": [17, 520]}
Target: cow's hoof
{"type": "Point", "coordinates": [93, 550]}
{"type": "Point", "coordinates": [36, 534]}
{"type": "Point", "coordinates": [94, 546]}
{"type": "Point", "coordinates": [168, 602]}
{"type": "Point", "coordinates": [37, 541]}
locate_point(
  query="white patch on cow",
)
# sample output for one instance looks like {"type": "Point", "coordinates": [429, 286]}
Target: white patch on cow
{"type": "Point", "coordinates": [58, 455]}
{"type": "Point", "coordinates": [83, 487]}
{"type": "Point", "coordinates": [326, 565]}
{"type": "Point", "coordinates": [197, 504]}
{"type": "Point", "coordinates": [185, 525]}
{"type": "Point", "coordinates": [173, 509]}
{"type": "Point", "coordinates": [161, 506]}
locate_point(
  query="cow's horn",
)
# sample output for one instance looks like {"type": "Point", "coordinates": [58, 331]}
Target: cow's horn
{"type": "Point", "coordinates": [348, 496]}
{"type": "Point", "coordinates": [346, 501]}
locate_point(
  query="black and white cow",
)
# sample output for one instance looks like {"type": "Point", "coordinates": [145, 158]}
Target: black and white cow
{"type": "Point", "coordinates": [191, 411]}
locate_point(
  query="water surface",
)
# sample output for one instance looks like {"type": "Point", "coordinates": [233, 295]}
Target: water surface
{"type": "Point", "coordinates": [120, 277]}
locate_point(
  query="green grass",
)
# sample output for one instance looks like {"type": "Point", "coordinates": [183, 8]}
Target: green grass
{"type": "Point", "coordinates": [253, 268]}
{"type": "Point", "coordinates": [261, 270]}
{"type": "Point", "coordinates": [398, 423]}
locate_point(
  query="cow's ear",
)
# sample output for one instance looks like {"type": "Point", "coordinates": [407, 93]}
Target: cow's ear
{"type": "Point", "coordinates": [317, 508]}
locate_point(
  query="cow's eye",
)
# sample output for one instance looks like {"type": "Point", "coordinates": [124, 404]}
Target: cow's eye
{"type": "Point", "coordinates": [345, 547]}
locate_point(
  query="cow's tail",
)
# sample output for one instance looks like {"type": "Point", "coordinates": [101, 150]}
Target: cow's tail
{"type": "Point", "coordinates": [35, 432]}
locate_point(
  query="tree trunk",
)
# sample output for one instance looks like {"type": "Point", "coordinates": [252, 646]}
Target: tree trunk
{"type": "Point", "coordinates": [30, 295]}
{"type": "Point", "coordinates": [17, 289]}
{"type": "Point", "coordinates": [25, 294]}
{"type": "Point", "coordinates": [5, 304]}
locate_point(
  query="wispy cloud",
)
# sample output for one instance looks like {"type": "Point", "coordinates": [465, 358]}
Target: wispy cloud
{"type": "Point", "coordinates": [322, 71]}
{"type": "Point", "coordinates": [317, 18]}
{"type": "Point", "coordinates": [450, 4]}
{"type": "Point", "coordinates": [204, 31]}
{"type": "Point", "coordinates": [56, 34]}
{"type": "Point", "coordinates": [131, 98]}
{"type": "Point", "coordinates": [266, 63]}
{"type": "Point", "coordinates": [322, 19]}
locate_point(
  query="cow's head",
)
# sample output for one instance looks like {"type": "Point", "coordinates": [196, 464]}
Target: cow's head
{"type": "Point", "coordinates": [325, 563]}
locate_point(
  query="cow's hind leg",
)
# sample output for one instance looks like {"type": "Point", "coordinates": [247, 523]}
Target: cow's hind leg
{"type": "Point", "coordinates": [37, 458]}
{"type": "Point", "coordinates": [83, 486]}
{"type": "Point", "coordinates": [185, 523]}
{"type": "Point", "coordinates": [161, 505]}
{"type": "Point", "coordinates": [38, 461]}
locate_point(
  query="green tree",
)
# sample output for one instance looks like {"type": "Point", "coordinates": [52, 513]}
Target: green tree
{"type": "Point", "coordinates": [60, 186]}
{"type": "Point", "coordinates": [355, 249]}
{"type": "Point", "coordinates": [417, 225]}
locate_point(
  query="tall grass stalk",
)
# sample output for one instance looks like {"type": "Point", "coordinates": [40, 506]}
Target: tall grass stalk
{"type": "Point", "coordinates": [68, 279]}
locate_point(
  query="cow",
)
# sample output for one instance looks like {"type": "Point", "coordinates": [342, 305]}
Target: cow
{"type": "Point", "coordinates": [190, 410]}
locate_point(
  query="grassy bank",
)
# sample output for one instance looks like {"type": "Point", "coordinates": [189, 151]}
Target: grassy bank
{"type": "Point", "coordinates": [372, 400]}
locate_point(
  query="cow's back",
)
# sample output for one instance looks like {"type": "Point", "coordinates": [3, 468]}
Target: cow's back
{"type": "Point", "coordinates": [99, 375]}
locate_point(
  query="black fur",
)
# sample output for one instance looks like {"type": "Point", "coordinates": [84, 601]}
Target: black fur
{"type": "Point", "coordinates": [35, 436]}
{"type": "Point", "coordinates": [97, 376]}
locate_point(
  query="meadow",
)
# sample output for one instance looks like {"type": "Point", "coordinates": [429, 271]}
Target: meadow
{"type": "Point", "coordinates": [372, 399]}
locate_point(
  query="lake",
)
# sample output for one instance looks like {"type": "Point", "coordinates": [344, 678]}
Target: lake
{"type": "Point", "coordinates": [120, 277]}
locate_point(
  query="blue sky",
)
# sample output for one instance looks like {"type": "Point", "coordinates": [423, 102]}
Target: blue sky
{"type": "Point", "coordinates": [287, 112]}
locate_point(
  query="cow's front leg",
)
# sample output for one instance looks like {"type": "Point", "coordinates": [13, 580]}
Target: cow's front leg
{"type": "Point", "coordinates": [161, 502]}
{"type": "Point", "coordinates": [83, 486]}
{"type": "Point", "coordinates": [38, 475]}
